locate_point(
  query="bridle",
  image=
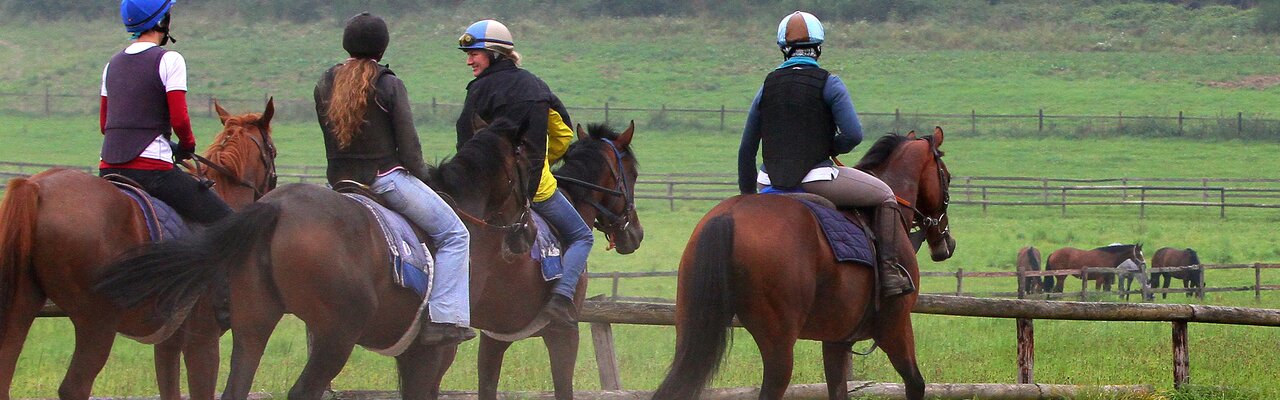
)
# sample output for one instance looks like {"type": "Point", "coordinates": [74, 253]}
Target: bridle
{"type": "Point", "coordinates": [517, 186]}
{"type": "Point", "coordinates": [922, 222]}
{"type": "Point", "coordinates": [606, 220]}
{"type": "Point", "coordinates": [266, 154]}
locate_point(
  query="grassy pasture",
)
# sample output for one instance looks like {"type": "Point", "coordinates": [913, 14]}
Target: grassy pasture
{"type": "Point", "coordinates": [927, 67]}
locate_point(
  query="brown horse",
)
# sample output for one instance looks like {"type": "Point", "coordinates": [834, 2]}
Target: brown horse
{"type": "Point", "coordinates": [599, 175]}
{"type": "Point", "coordinates": [763, 259]}
{"type": "Point", "coordinates": [1070, 258]}
{"type": "Point", "coordinates": [61, 226]}
{"type": "Point", "coordinates": [1029, 260]}
{"type": "Point", "coordinates": [1171, 257]}
{"type": "Point", "coordinates": [310, 251]}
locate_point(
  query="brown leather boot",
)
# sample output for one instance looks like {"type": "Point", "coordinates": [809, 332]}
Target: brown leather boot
{"type": "Point", "coordinates": [894, 278]}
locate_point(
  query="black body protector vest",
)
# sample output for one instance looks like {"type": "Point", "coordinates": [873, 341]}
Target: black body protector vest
{"type": "Point", "coordinates": [796, 126]}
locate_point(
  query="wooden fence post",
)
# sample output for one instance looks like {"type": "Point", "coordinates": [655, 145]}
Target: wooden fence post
{"type": "Point", "coordinates": [722, 117]}
{"type": "Point", "coordinates": [984, 201]}
{"type": "Point", "coordinates": [1222, 202]}
{"type": "Point", "coordinates": [1064, 201]}
{"type": "Point", "coordinates": [1240, 124]}
{"type": "Point", "coordinates": [606, 113]}
{"type": "Point", "coordinates": [1041, 129]}
{"type": "Point", "coordinates": [1120, 121]}
{"type": "Point", "coordinates": [1180, 132]}
{"type": "Point", "coordinates": [959, 281]}
{"type": "Point", "coordinates": [606, 358]}
{"type": "Point", "coordinates": [1181, 360]}
{"type": "Point", "coordinates": [897, 119]}
{"type": "Point", "coordinates": [1026, 351]}
{"type": "Point", "coordinates": [46, 101]}
{"type": "Point", "coordinates": [433, 106]}
{"type": "Point", "coordinates": [973, 121]}
{"type": "Point", "coordinates": [671, 195]}
{"type": "Point", "coordinates": [1022, 282]}
{"type": "Point", "coordinates": [1257, 282]}
{"type": "Point", "coordinates": [1142, 204]}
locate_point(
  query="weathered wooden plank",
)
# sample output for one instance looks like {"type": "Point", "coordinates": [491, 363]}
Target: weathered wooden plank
{"type": "Point", "coordinates": [819, 391]}
{"type": "Point", "coordinates": [1181, 357]}
{"type": "Point", "coordinates": [1026, 351]}
{"type": "Point", "coordinates": [606, 357]}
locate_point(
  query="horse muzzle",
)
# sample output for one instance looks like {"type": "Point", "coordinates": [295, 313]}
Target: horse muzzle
{"type": "Point", "coordinates": [629, 239]}
{"type": "Point", "coordinates": [943, 249]}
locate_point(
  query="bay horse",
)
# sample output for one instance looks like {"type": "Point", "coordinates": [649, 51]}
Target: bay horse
{"type": "Point", "coordinates": [62, 226]}
{"type": "Point", "coordinates": [598, 175]}
{"type": "Point", "coordinates": [1029, 260]}
{"type": "Point", "coordinates": [1171, 257]}
{"type": "Point", "coordinates": [1071, 258]}
{"type": "Point", "coordinates": [764, 259]}
{"type": "Point", "coordinates": [311, 251]}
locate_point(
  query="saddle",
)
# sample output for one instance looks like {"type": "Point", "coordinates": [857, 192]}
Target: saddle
{"type": "Point", "coordinates": [846, 230]}
{"type": "Point", "coordinates": [411, 261]}
{"type": "Point", "coordinates": [163, 222]}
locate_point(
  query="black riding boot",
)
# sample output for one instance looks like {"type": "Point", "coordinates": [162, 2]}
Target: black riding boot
{"type": "Point", "coordinates": [894, 278]}
{"type": "Point", "coordinates": [559, 311]}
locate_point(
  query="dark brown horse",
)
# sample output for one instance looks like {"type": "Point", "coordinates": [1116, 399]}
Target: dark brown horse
{"type": "Point", "coordinates": [1171, 257]}
{"type": "Point", "coordinates": [310, 251]}
{"type": "Point", "coordinates": [61, 226]}
{"type": "Point", "coordinates": [1070, 258]}
{"type": "Point", "coordinates": [599, 176]}
{"type": "Point", "coordinates": [1029, 260]}
{"type": "Point", "coordinates": [763, 259]}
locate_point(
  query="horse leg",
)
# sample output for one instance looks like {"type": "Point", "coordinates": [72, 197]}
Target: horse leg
{"type": "Point", "coordinates": [419, 372]}
{"type": "Point", "coordinates": [778, 354]}
{"type": "Point", "coordinates": [835, 362]}
{"type": "Point", "coordinates": [489, 365]}
{"type": "Point", "coordinates": [1186, 285]}
{"type": "Point", "coordinates": [201, 352]}
{"type": "Point", "coordinates": [17, 323]}
{"type": "Point", "coordinates": [252, 327]}
{"type": "Point", "coordinates": [94, 338]}
{"type": "Point", "coordinates": [442, 358]}
{"type": "Point", "coordinates": [168, 356]}
{"type": "Point", "coordinates": [329, 353]}
{"type": "Point", "coordinates": [562, 346]}
{"type": "Point", "coordinates": [898, 342]}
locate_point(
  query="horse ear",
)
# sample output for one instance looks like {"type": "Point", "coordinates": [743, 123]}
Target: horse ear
{"type": "Point", "coordinates": [624, 139]}
{"type": "Point", "coordinates": [478, 123]}
{"type": "Point", "coordinates": [582, 134]}
{"type": "Point", "coordinates": [937, 137]}
{"type": "Point", "coordinates": [223, 115]}
{"type": "Point", "coordinates": [268, 113]}
{"type": "Point", "coordinates": [911, 135]}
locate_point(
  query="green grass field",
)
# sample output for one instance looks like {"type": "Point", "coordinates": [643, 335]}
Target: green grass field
{"type": "Point", "coordinates": [931, 67]}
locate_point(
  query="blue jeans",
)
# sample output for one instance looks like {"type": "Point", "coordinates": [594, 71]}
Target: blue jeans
{"type": "Point", "coordinates": [575, 236]}
{"type": "Point", "coordinates": [450, 298]}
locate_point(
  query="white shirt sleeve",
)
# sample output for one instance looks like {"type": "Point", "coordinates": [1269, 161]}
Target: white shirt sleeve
{"type": "Point", "coordinates": [104, 79]}
{"type": "Point", "coordinates": [173, 72]}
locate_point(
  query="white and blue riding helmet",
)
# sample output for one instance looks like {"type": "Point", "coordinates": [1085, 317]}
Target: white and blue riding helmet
{"type": "Point", "coordinates": [142, 15]}
{"type": "Point", "coordinates": [800, 30]}
{"type": "Point", "coordinates": [487, 34]}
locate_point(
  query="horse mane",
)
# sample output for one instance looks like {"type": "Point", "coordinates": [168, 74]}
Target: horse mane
{"type": "Point", "coordinates": [228, 147]}
{"type": "Point", "coordinates": [879, 153]}
{"type": "Point", "coordinates": [480, 156]}
{"type": "Point", "coordinates": [1118, 249]}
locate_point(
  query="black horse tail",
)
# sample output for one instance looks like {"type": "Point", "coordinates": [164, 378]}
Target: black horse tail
{"type": "Point", "coordinates": [18, 215]}
{"type": "Point", "coordinates": [706, 321]}
{"type": "Point", "coordinates": [1194, 259]}
{"type": "Point", "coordinates": [1048, 279]}
{"type": "Point", "coordinates": [175, 273]}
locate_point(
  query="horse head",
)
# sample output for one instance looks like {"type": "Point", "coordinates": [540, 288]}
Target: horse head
{"type": "Point", "coordinates": [913, 167]}
{"type": "Point", "coordinates": [488, 179]}
{"type": "Point", "coordinates": [241, 158]}
{"type": "Point", "coordinates": [599, 175]}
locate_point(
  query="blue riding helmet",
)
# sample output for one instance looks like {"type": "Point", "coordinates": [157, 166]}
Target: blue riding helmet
{"type": "Point", "coordinates": [800, 29]}
{"type": "Point", "coordinates": [142, 15]}
{"type": "Point", "coordinates": [486, 34]}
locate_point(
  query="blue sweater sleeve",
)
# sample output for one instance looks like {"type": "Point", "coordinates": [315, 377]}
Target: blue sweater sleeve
{"type": "Point", "coordinates": [837, 96]}
{"type": "Point", "coordinates": [749, 147]}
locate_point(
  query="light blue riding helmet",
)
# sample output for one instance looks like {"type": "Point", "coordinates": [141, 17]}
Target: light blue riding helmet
{"type": "Point", "coordinates": [800, 29]}
{"type": "Point", "coordinates": [142, 15]}
{"type": "Point", "coordinates": [487, 34]}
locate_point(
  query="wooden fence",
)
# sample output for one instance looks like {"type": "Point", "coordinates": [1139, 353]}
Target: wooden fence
{"type": "Point", "coordinates": [602, 314]}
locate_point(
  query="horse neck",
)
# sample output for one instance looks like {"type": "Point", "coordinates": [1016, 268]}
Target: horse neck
{"type": "Point", "coordinates": [903, 173]}
{"type": "Point", "coordinates": [242, 157]}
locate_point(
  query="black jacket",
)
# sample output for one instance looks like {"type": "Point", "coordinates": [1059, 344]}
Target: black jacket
{"type": "Point", "coordinates": [386, 140]}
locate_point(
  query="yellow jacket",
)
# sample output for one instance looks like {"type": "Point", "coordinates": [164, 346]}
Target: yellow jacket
{"type": "Point", "coordinates": [558, 137]}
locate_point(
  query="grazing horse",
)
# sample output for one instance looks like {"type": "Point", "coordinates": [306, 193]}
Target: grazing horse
{"type": "Point", "coordinates": [61, 226]}
{"type": "Point", "coordinates": [763, 258]}
{"type": "Point", "coordinates": [310, 251]}
{"type": "Point", "coordinates": [599, 176]}
{"type": "Point", "coordinates": [1029, 260]}
{"type": "Point", "coordinates": [1070, 258]}
{"type": "Point", "coordinates": [1171, 257]}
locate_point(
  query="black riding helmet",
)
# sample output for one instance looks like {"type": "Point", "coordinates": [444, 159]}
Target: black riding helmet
{"type": "Point", "coordinates": [365, 36]}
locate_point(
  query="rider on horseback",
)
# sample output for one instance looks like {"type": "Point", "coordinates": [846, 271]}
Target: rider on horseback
{"type": "Point", "coordinates": [501, 89]}
{"type": "Point", "coordinates": [369, 138]}
{"type": "Point", "coordinates": [804, 116]}
{"type": "Point", "coordinates": [144, 101]}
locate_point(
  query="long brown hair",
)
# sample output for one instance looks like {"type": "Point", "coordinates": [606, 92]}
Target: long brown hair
{"type": "Point", "coordinates": [349, 98]}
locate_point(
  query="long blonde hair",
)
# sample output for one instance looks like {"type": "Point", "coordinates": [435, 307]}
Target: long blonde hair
{"type": "Point", "coordinates": [350, 97]}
